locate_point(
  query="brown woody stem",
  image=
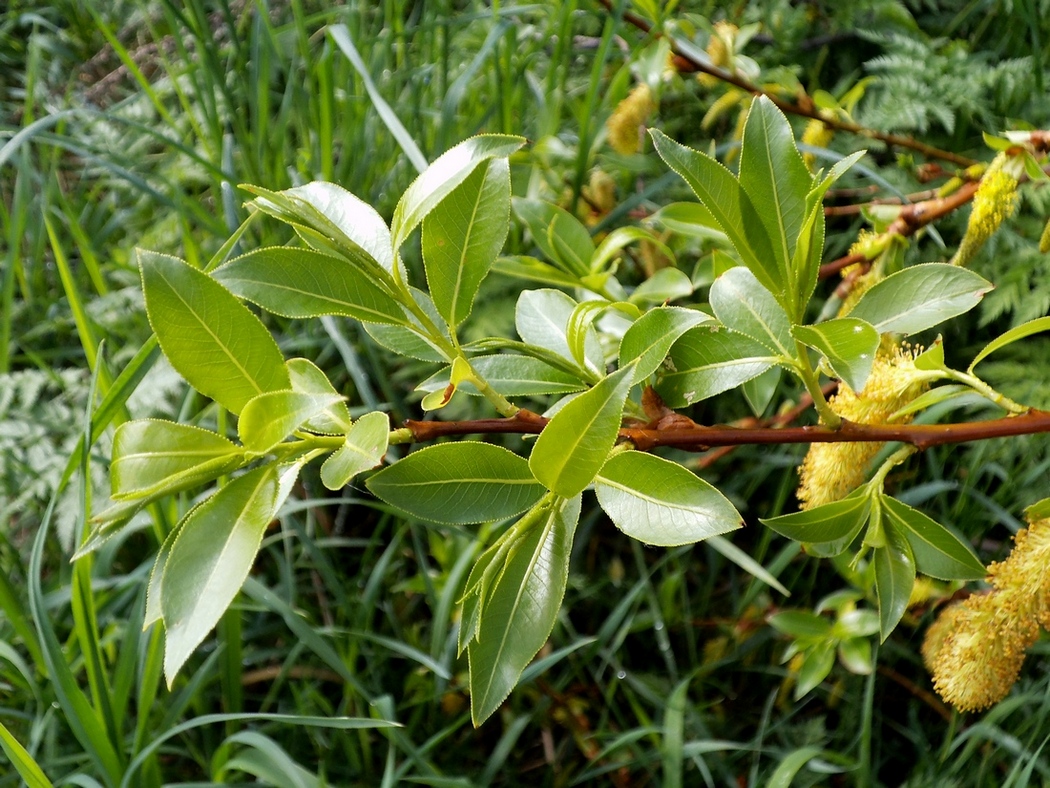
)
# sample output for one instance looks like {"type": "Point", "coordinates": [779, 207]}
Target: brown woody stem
{"type": "Point", "coordinates": [701, 438]}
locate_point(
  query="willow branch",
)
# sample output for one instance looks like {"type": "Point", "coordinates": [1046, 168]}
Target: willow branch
{"type": "Point", "coordinates": [685, 62]}
{"type": "Point", "coordinates": [701, 438]}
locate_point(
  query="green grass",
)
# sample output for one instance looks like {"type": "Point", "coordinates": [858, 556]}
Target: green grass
{"type": "Point", "coordinates": [131, 124]}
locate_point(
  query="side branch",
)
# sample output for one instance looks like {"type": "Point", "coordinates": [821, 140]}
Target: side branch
{"type": "Point", "coordinates": [806, 109]}
{"type": "Point", "coordinates": [701, 438]}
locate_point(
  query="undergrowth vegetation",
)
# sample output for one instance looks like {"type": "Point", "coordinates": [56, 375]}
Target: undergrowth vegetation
{"type": "Point", "coordinates": [135, 124]}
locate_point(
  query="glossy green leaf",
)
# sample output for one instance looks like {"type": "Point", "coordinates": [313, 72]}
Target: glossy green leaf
{"type": "Point", "coordinates": [210, 560]}
{"type": "Point", "coordinates": [463, 482]}
{"type": "Point", "coordinates": [575, 443]}
{"type": "Point", "coordinates": [303, 283]}
{"type": "Point", "coordinates": [705, 362]}
{"type": "Point", "coordinates": [307, 378]}
{"type": "Point", "coordinates": [154, 609]}
{"type": "Point", "coordinates": [894, 578]}
{"type": "Point", "coordinates": [775, 177]}
{"type": "Point", "coordinates": [937, 551]}
{"type": "Point", "coordinates": [151, 456]}
{"type": "Point", "coordinates": [271, 417]}
{"type": "Point", "coordinates": [742, 304]}
{"type": "Point", "coordinates": [920, 297]}
{"type": "Point", "coordinates": [519, 609]}
{"type": "Point", "coordinates": [512, 376]}
{"type": "Point", "coordinates": [532, 270]}
{"type": "Point", "coordinates": [650, 337]}
{"type": "Point", "coordinates": [415, 341]}
{"type": "Point", "coordinates": [689, 219]}
{"type": "Point", "coordinates": [621, 237]}
{"type": "Point", "coordinates": [1036, 326]}
{"type": "Point", "coordinates": [463, 235]}
{"type": "Point", "coordinates": [365, 445]}
{"type": "Point", "coordinates": [932, 358]}
{"type": "Point", "coordinates": [561, 237]}
{"type": "Point", "coordinates": [541, 318]}
{"type": "Point", "coordinates": [661, 503]}
{"type": "Point", "coordinates": [334, 221]}
{"type": "Point", "coordinates": [848, 344]}
{"type": "Point", "coordinates": [211, 338]}
{"type": "Point", "coordinates": [832, 526]}
{"type": "Point", "coordinates": [444, 174]}
{"type": "Point", "coordinates": [721, 193]}
{"type": "Point", "coordinates": [667, 284]}
{"type": "Point", "coordinates": [804, 270]}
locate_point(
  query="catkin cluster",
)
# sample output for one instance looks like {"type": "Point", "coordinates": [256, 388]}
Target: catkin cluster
{"type": "Point", "coordinates": [625, 124]}
{"type": "Point", "coordinates": [831, 471]}
{"type": "Point", "coordinates": [994, 202]}
{"type": "Point", "coordinates": [976, 647]}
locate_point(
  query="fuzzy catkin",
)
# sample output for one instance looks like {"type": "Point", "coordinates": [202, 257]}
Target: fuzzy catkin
{"type": "Point", "coordinates": [975, 648]}
{"type": "Point", "coordinates": [625, 124]}
{"type": "Point", "coordinates": [831, 471]}
{"type": "Point", "coordinates": [994, 202]}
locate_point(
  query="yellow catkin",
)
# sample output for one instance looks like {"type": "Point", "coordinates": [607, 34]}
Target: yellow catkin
{"type": "Point", "coordinates": [994, 202]}
{"type": "Point", "coordinates": [626, 122]}
{"type": "Point", "coordinates": [831, 471]}
{"type": "Point", "coordinates": [719, 47]}
{"type": "Point", "coordinates": [976, 648]}
{"type": "Point", "coordinates": [819, 135]}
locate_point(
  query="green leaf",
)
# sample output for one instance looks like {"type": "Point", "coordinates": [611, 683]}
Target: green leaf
{"type": "Point", "coordinates": [1017, 332]}
{"type": "Point", "coordinates": [414, 341]}
{"type": "Point", "coordinates": [831, 526]}
{"type": "Point", "coordinates": [661, 503]}
{"type": "Point", "coordinates": [271, 417]}
{"type": "Point", "coordinates": [532, 270]}
{"type": "Point", "coordinates": [744, 560]}
{"type": "Point", "coordinates": [333, 220]}
{"type": "Point", "coordinates": [151, 456]}
{"type": "Point", "coordinates": [931, 398]}
{"type": "Point", "coordinates": [519, 610]}
{"type": "Point", "coordinates": [575, 443]}
{"type": "Point", "coordinates": [894, 578]}
{"type": "Point", "coordinates": [463, 235]}
{"type": "Point", "coordinates": [742, 304]}
{"type": "Point", "coordinates": [443, 175]}
{"type": "Point", "coordinates": [920, 297]}
{"type": "Point", "coordinates": [848, 344]}
{"type": "Point", "coordinates": [667, 284]}
{"type": "Point", "coordinates": [816, 665]}
{"type": "Point", "coordinates": [801, 624]}
{"type": "Point", "coordinates": [303, 283]}
{"type": "Point", "coordinates": [759, 391]}
{"type": "Point", "coordinates": [938, 552]}
{"type": "Point", "coordinates": [542, 317]}
{"type": "Point", "coordinates": [805, 265]}
{"type": "Point", "coordinates": [705, 362]}
{"type": "Point", "coordinates": [154, 609]}
{"type": "Point", "coordinates": [722, 195]}
{"type": "Point", "coordinates": [614, 243]}
{"type": "Point", "coordinates": [855, 655]}
{"type": "Point", "coordinates": [775, 177]}
{"type": "Point", "coordinates": [690, 219]}
{"type": "Point", "coordinates": [365, 445]}
{"type": "Point", "coordinates": [561, 237]}
{"type": "Point", "coordinates": [210, 337]}
{"type": "Point", "coordinates": [512, 376]}
{"type": "Point", "coordinates": [307, 378]}
{"type": "Point", "coordinates": [648, 340]}
{"type": "Point", "coordinates": [932, 358]}
{"type": "Point", "coordinates": [459, 483]}
{"type": "Point", "coordinates": [210, 559]}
